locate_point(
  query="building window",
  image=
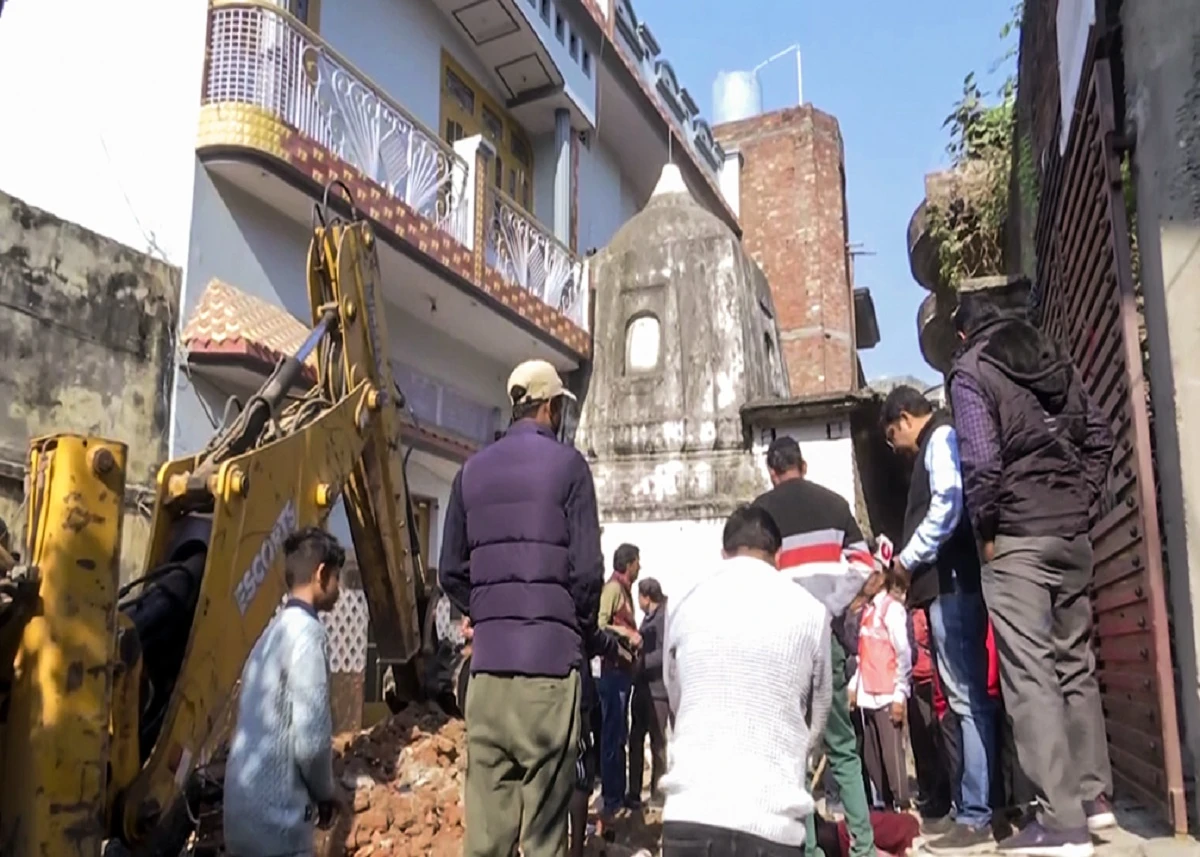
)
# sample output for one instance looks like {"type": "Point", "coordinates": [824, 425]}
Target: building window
{"type": "Point", "coordinates": [560, 27]}
{"type": "Point", "coordinates": [493, 125]}
{"type": "Point", "coordinates": [643, 344]}
{"type": "Point", "coordinates": [586, 62]}
{"type": "Point", "coordinates": [460, 91]}
{"type": "Point", "coordinates": [546, 11]}
{"type": "Point", "coordinates": [574, 49]}
{"type": "Point", "coordinates": [468, 110]}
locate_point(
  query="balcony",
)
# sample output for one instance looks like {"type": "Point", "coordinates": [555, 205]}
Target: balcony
{"type": "Point", "coordinates": [277, 96]}
{"type": "Point", "coordinates": [526, 254]}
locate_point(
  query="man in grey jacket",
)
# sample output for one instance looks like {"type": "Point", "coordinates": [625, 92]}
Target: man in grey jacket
{"type": "Point", "coordinates": [649, 709]}
{"type": "Point", "coordinates": [279, 775]}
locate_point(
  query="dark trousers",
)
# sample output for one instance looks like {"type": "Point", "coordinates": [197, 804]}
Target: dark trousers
{"type": "Point", "coordinates": [614, 733]}
{"type": "Point", "coordinates": [883, 753]}
{"type": "Point", "coordinates": [1012, 788]}
{"type": "Point", "coordinates": [522, 740]}
{"type": "Point", "coordinates": [951, 736]}
{"type": "Point", "coordinates": [933, 781]}
{"type": "Point", "coordinates": [684, 839]}
{"type": "Point", "coordinates": [648, 717]}
{"type": "Point", "coordinates": [1037, 594]}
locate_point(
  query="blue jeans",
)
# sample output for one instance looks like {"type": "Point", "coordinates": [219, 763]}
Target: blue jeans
{"type": "Point", "coordinates": [958, 627]}
{"type": "Point", "coordinates": [613, 689]}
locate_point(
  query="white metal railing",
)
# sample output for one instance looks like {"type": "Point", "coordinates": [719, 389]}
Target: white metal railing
{"type": "Point", "coordinates": [527, 254]}
{"type": "Point", "coordinates": [265, 58]}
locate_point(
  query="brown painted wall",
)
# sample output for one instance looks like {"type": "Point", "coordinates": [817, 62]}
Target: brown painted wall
{"type": "Point", "coordinates": [86, 344]}
{"type": "Point", "coordinates": [793, 213]}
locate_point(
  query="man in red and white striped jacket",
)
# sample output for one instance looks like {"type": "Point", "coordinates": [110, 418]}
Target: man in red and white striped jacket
{"type": "Point", "coordinates": [825, 552]}
{"type": "Point", "coordinates": [823, 548]}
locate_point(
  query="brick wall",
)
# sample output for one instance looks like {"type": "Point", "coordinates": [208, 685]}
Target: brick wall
{"type": "Point", "coordinates": [793, 214]}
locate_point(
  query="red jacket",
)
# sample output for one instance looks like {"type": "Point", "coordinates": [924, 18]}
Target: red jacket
{"type": "Point", "coordinates": [939, 700]}
{"type": "Point", "coordinates": [923, 671]}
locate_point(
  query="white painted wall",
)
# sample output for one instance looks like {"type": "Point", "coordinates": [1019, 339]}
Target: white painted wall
{"type": "Point", "coordinates": [100, 102]}
{"type": "Point", "coordinates": [398, 45]}
{"type": "Point", "coordinates": [729, 179]}
{"type": "Point", "coordinates": [828, 449]}
{"type": "Point", "coordinates": [606, 199]}
{"type": "Point", "coordinates": [678, 554]}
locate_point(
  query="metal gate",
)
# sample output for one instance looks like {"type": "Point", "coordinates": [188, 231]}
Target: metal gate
{"type": "Point", "coordinates": [1085, 299]}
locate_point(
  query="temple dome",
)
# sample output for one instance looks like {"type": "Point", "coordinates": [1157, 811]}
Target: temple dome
{"type": "Point", "coordinates": [671, 215]}
{"type": "Point", "coordinates": [684, 335]}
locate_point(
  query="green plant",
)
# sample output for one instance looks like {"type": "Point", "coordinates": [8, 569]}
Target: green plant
{"type": "Point", "coordinates": [967, 221]}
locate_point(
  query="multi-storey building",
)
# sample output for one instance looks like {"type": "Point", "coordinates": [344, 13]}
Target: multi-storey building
{"type": "Point", "coordinates": [493, 143]}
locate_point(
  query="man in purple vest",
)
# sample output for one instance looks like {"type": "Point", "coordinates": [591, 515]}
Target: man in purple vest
{"type": "Point", "coordinates": [1035, 454]}
{"type": "Point", "coordinates": [521, 558]}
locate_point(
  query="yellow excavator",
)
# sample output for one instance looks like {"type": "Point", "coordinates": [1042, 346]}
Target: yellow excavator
{"type": "Point", "coordinates": [113, 698]}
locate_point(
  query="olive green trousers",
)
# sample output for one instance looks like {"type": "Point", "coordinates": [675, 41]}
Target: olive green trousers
{"type": "Point", "coordinates": [522, 735]}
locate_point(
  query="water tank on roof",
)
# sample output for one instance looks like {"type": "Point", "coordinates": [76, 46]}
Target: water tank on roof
{"type": "Point", "coordinates": [736, 95]}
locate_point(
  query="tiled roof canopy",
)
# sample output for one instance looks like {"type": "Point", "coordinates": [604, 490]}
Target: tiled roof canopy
{"type": "Point", "coordinates": [228, 322]}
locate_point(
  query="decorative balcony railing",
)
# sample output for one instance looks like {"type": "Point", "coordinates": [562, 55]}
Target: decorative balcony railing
{"type": "Point", "coordinates": [261, 56]}
{"type": "Point", "coordinates": [526, 254]}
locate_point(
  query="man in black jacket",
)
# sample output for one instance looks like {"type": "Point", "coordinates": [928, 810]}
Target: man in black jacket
{"type": "Point", "coordinates": [1035, 454]}
{"type": "Point", "coordinates": [938, 553]}
{"type": "Point", "coordinates": [649, 709]}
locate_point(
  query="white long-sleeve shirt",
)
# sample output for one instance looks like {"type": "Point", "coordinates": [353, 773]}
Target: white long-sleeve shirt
{"type": "Point", "coordinates": [895, 620]}
{"type": "Point", "coordinates": [281, 757]}
{"type": "Point", "coordinates": [748, 677]}
{"type": "Point", "coordinates": [945, 499]}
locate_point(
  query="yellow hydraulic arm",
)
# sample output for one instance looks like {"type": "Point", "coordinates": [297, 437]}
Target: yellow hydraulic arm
{"type": "Point", "coordinates": [106, 719]}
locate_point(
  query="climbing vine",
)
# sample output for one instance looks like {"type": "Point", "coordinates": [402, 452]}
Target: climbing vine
{"type": "Point", "coordinates": [967, 219]}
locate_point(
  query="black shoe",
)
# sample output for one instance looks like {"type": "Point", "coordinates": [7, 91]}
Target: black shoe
{"type": "Point", "coordinates": [1100, 815]}
{"type": "Point", "coordinates": [937, 826]}
{"type": "Point", "coordinates": [1037, 840]}
{"type": "Point", "coordinates": [961, 837]}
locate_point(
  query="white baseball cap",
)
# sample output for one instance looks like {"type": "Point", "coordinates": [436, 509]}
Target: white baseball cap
{"type": "Point", "coordinates": [536, 381]}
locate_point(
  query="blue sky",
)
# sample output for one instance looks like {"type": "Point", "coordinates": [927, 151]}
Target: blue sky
{"type": "Point", "coordinates": [890, 72]}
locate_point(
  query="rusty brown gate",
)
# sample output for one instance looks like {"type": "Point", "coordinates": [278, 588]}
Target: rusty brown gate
{"type": "Point", "coordinates": [1085, 298]}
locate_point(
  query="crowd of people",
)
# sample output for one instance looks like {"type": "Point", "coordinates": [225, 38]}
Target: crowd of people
{"type": "Point", "coordinates": [801, 651]}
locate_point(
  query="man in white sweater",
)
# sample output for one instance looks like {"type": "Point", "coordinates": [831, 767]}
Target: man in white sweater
{"type": "Point", "coordinates": [748, 677]}
{"type": "Point", "coordinates": [279, 775]}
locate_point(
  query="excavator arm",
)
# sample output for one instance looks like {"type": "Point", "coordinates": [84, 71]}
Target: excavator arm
{"type": "Point", "coordinates": [161, 658]}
